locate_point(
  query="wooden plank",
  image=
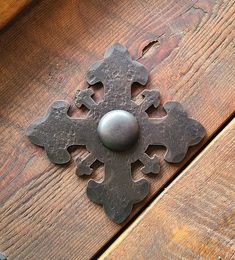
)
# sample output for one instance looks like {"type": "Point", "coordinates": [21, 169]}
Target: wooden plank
{"type": "Point", "coordinates": [192, 219]}
{"type": "Point", "coordinates": [9, 9]}
{"type": "Point", "coordinates": [45, 211]}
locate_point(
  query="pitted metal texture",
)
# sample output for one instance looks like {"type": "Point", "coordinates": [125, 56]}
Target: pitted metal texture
{"type": "Point", "coordinates": [118, 192]}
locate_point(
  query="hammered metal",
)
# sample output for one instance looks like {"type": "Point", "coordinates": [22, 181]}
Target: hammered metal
{"type": "Point", "coordinates": [56, 131]}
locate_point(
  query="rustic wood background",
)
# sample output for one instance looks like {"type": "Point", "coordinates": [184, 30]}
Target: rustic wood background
{"type": "Point", "coordinates": [9, 9]}
{"type": "Point", "coordinates": [194, 217]}
{"type": "Point", "coordinates": [188, 48]}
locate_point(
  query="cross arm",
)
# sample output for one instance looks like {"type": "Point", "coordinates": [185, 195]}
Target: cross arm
{"type": "Point", "coordinates": [140, 73]}
{"type": "Point", "coordinates": [56, 131]}
{"type": "Point", "coordinates": [151, 164]}
{"type": "Point", "coordinates": [117, 67]}
{"type": "Point", "coordinates": [84, 97]}
{"type": "Point", "coordinates": [83, 165]}
{"type": "Point", "coordinates": [150, 97]}
{"type": "Point", "coordinates": [176, 131]}
{"type": "Point", "coordinates": [118, 192]}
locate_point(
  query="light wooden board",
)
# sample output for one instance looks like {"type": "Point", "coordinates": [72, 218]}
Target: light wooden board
{"type": "Point", "coordinates": [9, 9]}
{"type": "Point", "coordinates": [195, 217]}
{"type": "Point", "coordinates": [45, 55]}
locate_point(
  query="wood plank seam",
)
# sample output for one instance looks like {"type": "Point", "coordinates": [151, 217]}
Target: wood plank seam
{"type": "Point", "coordinates": [167, 185]}
{"type": "Point", "coordinates": [230, 240]}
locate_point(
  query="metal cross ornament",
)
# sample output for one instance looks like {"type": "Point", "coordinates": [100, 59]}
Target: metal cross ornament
{"type": "Point", "coordinates": [117, 132]}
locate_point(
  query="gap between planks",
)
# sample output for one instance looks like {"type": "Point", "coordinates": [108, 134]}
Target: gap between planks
{"type": "Point", "coordinates": [228, 128]}
{"type": "Point", "coordinates": [109, 245]}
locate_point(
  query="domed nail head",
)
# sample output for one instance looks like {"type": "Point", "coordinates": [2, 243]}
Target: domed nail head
{"type": "Point", "coordinates": [118, 130]}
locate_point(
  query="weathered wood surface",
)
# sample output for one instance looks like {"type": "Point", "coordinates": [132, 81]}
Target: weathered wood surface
{"type": "Point", "coordinates": [194, 218]}
{"type": "Point", "coordinates": [9, 9]}
{"type": "Point", "coordinates": [44, 57]}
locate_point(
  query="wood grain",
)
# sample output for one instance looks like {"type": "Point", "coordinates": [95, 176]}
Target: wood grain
{"type": "Point", "coordinates": [187, 47]}
{"type": "Point", "coordinates": [194, 218]}
{"type": "Point", "coordinates": [9, 9]}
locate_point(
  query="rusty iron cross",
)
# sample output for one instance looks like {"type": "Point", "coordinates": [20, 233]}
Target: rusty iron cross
{"type": "Point", "coordinates": [117, 132]}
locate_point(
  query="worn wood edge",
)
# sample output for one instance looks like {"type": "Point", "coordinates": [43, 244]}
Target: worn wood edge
{"type": "Point", "coordinates": [139, 219]}
{"type": "Point", "coordinates": [10, 8]}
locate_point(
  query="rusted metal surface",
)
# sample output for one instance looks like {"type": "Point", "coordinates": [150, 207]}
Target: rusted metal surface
{"type": "Point", "coordinates": [56, 131]}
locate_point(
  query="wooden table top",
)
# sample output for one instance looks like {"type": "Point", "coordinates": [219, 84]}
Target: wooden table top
{"type": "Point", "coordinates": [188, 49]}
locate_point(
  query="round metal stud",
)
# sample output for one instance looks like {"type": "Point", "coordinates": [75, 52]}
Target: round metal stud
{"type": "Point", "coordinates": [118, 130]}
